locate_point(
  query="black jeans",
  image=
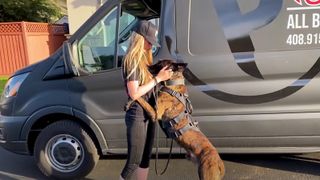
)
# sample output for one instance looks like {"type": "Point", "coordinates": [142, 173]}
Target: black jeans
{"type": "Point", "coordinates": [140, 137]}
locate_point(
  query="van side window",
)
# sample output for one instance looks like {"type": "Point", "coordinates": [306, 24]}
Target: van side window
{"type": "Point", "coordinates": [97, 47]}
{"type": "Point", "coordinates": [126, 20]}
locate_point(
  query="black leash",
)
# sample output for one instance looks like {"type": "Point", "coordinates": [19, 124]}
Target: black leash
{"type": "Point", "coordinates": [157, 154]}
{"type": "Point", "coordinates": [157, 144]}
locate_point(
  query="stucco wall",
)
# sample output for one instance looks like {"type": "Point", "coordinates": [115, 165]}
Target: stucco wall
{"type": "Point", "coordinates": [79, 11]}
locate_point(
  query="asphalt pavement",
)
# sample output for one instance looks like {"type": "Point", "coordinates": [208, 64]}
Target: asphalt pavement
{"type": "Point", "coordinates": [238, 167]}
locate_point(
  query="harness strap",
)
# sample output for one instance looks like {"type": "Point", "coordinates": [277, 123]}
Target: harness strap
{"type": "Point", "coordinates": [178, 118]}
{"type": "Point", "coordinates": [169, 126]}
{"type": "Point", "coordinates": [187, 127]}
{"type": "Point", "coordinates": [170, 123]}
{"type": "Point", "coordinates": [183, 98]}
{"type": "Point", "coordinates": [189, 106]}
{"type": "Point", "coordinates": [176, 133]}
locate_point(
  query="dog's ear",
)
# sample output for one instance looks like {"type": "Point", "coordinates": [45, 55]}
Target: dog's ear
{"type": "Point", "coordinates": [180, 66]}
{"type": "Point", "coordinates": [154, 69]}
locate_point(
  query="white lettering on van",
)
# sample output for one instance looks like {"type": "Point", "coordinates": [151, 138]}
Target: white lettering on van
{"type": "Point", "coordinates": [303, 23]}
{"type": "Point", "coordinates": [315, 20]}
{"type": "Point", "coordinates": [297, 21]}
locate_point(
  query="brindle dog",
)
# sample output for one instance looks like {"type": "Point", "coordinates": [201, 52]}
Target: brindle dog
{"type": "Point", "coordinates": [170, 106]}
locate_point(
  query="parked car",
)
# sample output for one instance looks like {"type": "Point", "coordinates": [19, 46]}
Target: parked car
{"type": "Point", "coordinates": [252, 77]}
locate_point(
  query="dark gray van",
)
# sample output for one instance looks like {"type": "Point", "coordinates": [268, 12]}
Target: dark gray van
{"type": "Point", "coordinates": [252, 77]}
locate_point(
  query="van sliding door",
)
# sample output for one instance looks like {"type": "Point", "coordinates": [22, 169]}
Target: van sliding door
{"type": "Point", "coordinates": [252, 71]}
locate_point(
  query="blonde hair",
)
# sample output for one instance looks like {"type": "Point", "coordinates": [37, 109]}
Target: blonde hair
{"type": "Point", "coordinates": [138, 57]}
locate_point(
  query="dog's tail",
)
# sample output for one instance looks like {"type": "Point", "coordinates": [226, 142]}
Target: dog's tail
{"type": "Point", "coordinates": [211, 166]}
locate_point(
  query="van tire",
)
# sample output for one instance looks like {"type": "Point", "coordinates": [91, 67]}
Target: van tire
{"type": "Point", "coordinates": [64, 150]}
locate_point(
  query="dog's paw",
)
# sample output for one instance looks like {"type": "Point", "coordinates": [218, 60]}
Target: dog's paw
{"type": "Point", "coordinates": [154, 120]}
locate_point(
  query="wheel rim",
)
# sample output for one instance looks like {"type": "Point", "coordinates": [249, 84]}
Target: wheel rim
{"type": "Point", "coordinates": [64, 152]}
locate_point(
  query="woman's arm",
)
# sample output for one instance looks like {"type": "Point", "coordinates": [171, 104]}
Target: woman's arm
{"type": "Point", "coordinates": [135, 91]}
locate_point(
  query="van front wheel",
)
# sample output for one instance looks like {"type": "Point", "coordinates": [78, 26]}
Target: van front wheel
{"type": "Point", "coordinates": [64, 150]}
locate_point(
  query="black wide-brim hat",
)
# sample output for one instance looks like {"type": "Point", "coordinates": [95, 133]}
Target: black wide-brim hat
{"type": "Point", "coordinates": [148, 31]}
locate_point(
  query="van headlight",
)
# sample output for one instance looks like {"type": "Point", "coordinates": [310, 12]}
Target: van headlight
{"type": "Point", "coordinates": [13, 84]}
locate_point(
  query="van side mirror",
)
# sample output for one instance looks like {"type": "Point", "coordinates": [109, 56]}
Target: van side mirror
{"type": "Point", "coordinates": [68, 60]}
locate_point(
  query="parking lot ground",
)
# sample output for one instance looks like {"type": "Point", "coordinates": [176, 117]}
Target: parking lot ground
{"type": "Point", "coordinates": [238, 167]}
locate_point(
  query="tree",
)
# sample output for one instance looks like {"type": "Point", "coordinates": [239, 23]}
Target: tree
{"type": "Point", "coordinates": [29, 10]}
{"type": "Point", "coordinates": [62, 4]}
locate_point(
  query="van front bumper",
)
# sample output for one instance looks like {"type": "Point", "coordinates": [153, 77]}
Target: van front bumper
{"type": "Point", "coordinates": [10, 128]}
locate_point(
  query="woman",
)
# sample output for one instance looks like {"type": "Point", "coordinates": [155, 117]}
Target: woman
{"type": "Point", "coordinates": [139, 83]}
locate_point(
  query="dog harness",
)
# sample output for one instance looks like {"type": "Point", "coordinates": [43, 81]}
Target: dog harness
{"type": "Point", "coordinates": [168, 125]}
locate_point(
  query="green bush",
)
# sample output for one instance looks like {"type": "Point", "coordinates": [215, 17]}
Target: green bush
{"type": "Point", "coordinates": [2, 83]}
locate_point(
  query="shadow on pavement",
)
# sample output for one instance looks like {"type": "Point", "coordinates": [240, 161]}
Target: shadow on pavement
{"type": "Point", "coordinates": [306, 164]}
{"type": "Point", "coordinates": [15, 166]}
{"type": "Point", "coordinates": [3, 176]}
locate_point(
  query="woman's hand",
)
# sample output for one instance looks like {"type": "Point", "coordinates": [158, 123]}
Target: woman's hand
{"type": "Point", "coordinates": [135, 90]}
{"type": "Point", "coordinates": [164, 74]}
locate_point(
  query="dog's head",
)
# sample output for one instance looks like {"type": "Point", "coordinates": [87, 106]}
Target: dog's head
{"type": "Point", "coordinates": [177, 68]}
